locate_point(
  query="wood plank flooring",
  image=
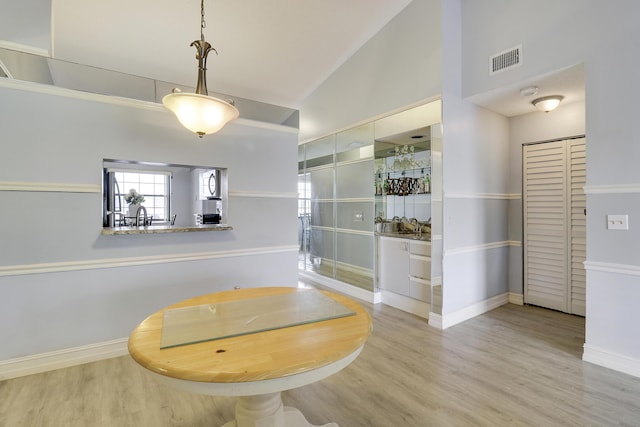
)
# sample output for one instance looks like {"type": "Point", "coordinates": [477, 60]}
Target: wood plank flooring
{"type": "Point", "coordinates": [514, 366]}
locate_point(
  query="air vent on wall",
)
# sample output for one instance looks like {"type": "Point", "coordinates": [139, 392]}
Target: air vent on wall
{"type": "Point", "coordinates": [505, 60]}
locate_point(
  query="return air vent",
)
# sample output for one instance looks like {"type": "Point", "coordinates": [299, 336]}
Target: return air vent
{"type": "Point", "coordinates": [505, 60]}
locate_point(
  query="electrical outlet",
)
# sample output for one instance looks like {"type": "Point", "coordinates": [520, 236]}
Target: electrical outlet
{"type": "Point", "coordinates": [617, 222]}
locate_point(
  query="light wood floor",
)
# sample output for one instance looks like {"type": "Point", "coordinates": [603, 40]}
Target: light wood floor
{"type": "Point", "coordinates": [514, 366]}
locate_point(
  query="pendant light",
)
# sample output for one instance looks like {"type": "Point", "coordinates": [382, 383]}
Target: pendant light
{"type": "Point", "coordinates": [199, 112]}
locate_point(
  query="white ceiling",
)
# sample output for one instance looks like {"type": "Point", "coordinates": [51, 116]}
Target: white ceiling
{"type": "Point", "coordinates": [508, 101]}
{"type": "Point", "coordinates": [273, 51]}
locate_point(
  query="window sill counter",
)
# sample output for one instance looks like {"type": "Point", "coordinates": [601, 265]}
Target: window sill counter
{"type": "Point", "coordinates": [155, 229]}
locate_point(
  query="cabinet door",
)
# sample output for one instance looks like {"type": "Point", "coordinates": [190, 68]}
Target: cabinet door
{"type": "Point", "coordinates": [418, 247]}
{"type": "Point", "coordinates": [420, 266]}
{"type": "Point", "coordinates": [420, 289]}
{"type": "Point", "coordinates": [394, 265]}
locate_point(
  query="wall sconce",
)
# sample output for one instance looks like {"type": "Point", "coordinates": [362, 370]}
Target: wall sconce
{"type": "Point", "coordinates": [547, 103]}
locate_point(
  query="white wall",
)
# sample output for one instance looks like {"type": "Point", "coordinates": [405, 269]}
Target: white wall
{"type": "Point", "coordinates": [555, 35]}
{"type": "Point", "coordinates": [551, 34]}
{"type": "Point", "coordinates": [475, 199]}
{"type": "Point", "coordinates": [65, 285]}
{"type": "Point", "coordinates": [398, 67]}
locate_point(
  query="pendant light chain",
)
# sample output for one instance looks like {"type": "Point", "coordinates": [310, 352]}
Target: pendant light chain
{"type": "Point", "coordinates": [203, 24]}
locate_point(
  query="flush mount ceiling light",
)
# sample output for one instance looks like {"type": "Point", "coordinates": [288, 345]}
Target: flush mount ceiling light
{"type": "Point", "coordinates": [199, 112]}
{"type": "Point", "coordinates": [547, 103]}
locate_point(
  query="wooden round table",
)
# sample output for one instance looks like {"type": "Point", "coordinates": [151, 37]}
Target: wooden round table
{"type": "Point", "coordinates": [256, 367]}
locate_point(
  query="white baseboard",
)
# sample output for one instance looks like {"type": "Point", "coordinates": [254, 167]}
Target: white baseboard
{"type": "Point", "coordinates": [611, 360]}
{"type": "Point", "coordinates": [50, 361]}
{"type": "Point", "coordinates": [410, 305]}
{"type": "Point", "coordinates": [450, 319]}
{"type": "Point", "coordinates": [517, 299]}
{"type": "Point", "coordinates": [435, 320]}
{"type": "Point", "coordinates": [352, 291]}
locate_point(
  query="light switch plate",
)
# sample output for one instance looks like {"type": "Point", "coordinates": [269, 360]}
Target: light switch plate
{"type": "Point", "coordinates": [617, 222]}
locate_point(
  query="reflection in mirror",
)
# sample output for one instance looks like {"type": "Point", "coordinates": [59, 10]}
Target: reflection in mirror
{"type": "Point", "coordinates": [144, 194]}
{"type": "Point", "coordinates": [403, 176]}
{"type": "Point", "coordinates": [387, 172]}
{"type": "Point", "coordinates": [336, 207]}
{"type": "Point", "coordinates": [28, 67]}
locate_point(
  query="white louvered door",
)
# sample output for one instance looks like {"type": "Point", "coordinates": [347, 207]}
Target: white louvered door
{"type": "Point", "coordinates": [578, 225]}
{"type": "Point", "coordinates": [554, 225]}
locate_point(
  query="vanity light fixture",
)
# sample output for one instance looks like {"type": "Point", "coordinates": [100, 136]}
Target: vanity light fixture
{"type": "Point", "coordinates": [547, 103]}
{"type": "Point", "coordinates": [199, 112]}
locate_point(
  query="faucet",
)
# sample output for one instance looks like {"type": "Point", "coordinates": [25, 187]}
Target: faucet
{"type": "Point", "coordinates": [141, 208]}
{"type": "Point", "coordinates": [417, 227]}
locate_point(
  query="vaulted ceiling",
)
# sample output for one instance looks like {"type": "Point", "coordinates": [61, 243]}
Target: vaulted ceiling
{"type": "Point", "coordinates": [273, 51]}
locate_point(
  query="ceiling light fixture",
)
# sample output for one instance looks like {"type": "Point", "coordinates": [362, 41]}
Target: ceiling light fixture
{"type": "Point", "coordinates": [199, 112]}
{"type": "Point", "coordinates": [547, 103]}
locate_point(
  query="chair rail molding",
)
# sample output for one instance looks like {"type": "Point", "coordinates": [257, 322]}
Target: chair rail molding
{"type": "Point", "coordinates": [94, 264]}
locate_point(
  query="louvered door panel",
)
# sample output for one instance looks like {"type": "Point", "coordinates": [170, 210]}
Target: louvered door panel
{"type": "Point", "coordinates": [545, 225]}
{"type": "Point", "coordinates": [578, 225]}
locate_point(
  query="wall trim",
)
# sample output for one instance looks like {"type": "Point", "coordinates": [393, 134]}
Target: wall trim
{"type": "Point", "coordinates": [356, 232]}
{"type": "Point", "coordinates": [488, 196]}
{"type": "Point", "coordinates": [25, 48]}
{"type": "Point", "coordinates": [356, 200]}
{"type": "Point", "coordinates": [95, 264]}
{"type": "Point", "coordinates": [609, 267]}
{"type": "Point", "coordinates": [263, 194]}
{"type": "Point", "coordinates": [43, 362]}
{"type": "Point", "coordinates": [76, 94]}
{"type": "Point", "coordinates": [517, 299]}
{"type": "Point", "coordinates": [373, 118]}
{"type": "Point", "coordinates": [56, 187]}
{"type": "Point", "coordinates": [435, 320]}
{"type": "Point", "coordinates": [447, 320]}
{"type": "Point", "coordinates": [410, 305]}
{"type": "Point", "coordinates": [609, 359]}
{"type": "Point", "coordinates": [353, 291]}
{"type": "Point", "coordinates": [611, 189]}
{"type": "Point", "coordinates": [482, 247]}
{"type": "Point", "coordinates": [127, 102]}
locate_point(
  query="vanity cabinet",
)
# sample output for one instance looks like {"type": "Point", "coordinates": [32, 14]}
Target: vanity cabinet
{"type": "Point", "coordinates": [420, 270]}
{"type": "Point", "coordinates": [405, 267]}
{"type": "Point", "coordinates": [394, 265]}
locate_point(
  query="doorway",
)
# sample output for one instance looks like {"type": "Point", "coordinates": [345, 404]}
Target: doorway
{"type": "Point", "coordinates": [554, 222]}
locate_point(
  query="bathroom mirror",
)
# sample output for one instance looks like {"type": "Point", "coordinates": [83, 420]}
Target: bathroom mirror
{"type": "Point", "coordinates": [136, 193]}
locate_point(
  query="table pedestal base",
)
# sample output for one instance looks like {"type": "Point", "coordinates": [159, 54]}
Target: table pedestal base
{"type": "Point", "coordinates": [267, 410]}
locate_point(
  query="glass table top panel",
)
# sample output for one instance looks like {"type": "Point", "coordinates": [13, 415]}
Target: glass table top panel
{"type": "Point", "coordinates": [209, 322]}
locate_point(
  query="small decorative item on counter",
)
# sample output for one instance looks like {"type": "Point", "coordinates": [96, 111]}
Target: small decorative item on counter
{"type": "Point", "coordinates": [133, 197]}
{"type": "Point", "coordinates": [427, 184]}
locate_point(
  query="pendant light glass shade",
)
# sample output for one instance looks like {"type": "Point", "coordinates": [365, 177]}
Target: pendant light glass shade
{"type": "Point", "coordinates": [201, 114]}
